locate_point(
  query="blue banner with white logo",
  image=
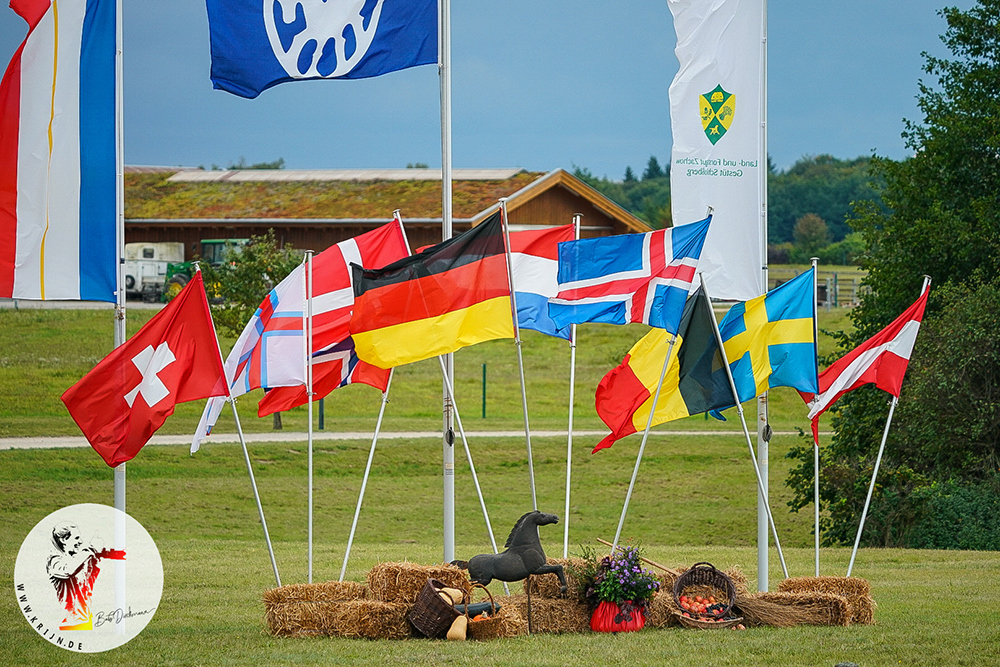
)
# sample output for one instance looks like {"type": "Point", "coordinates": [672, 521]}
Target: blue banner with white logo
{"type": "Point", "coordinates": [256, 45]}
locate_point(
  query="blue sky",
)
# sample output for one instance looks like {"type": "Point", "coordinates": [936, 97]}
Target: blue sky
{"type": "Point", "coordinates": [540, 85]}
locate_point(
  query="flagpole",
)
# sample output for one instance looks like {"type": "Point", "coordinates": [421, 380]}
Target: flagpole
{"type": "Point", "coordinates": [246, 453]}
{"type": "Point", "coordinates": [444, 74]}
{"type": "Point", "coordinates": [308, 276]}
{"type": "Point", "coordinates": [746, 431]}
{"type": "Point", "coordinates": [645, 436]}
{"type": "Point", "coordinates": [517, 342]}
{"type": "Point", "coordinates": [815, 266]}
{"type": "Point", "coordinates": [572, 387]}
{"type": "Point", "coordinates": [368, 468]}
{"type": "Point", "coordinates": [763, 428]}
{"type": "Point", "coordinates": [119, 320]}
{"type": "Point", "coordinates": [878, 462]}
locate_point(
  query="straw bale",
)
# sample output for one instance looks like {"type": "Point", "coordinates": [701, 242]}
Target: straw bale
{"type": "Point", "coordinates": [662, 611]}
{"type": "Point", "coordinates": [547, 585]}
{"type": "Point", "coordinates": [300, 619]}
{"type": "Point", "coordinates": [327, 591]}
{"type": "Point", "coordinates": [785, 610]}
{"type": "Point", "coordinates": [370, 619]}
{"type": "Point", "coordinates": [855, 589]}
{"type": "Point", "coordinates": [550, 615]}
{"type": "Point", "coordinates": [402, 582]}
{"type": "Point", "coordinates": [508, 622]}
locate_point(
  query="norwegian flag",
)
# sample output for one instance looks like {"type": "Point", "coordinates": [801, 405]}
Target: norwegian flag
{"type": "Point", "coordinates": [270, 352]}
{"type": "Point", "coordinates": [628, 278]}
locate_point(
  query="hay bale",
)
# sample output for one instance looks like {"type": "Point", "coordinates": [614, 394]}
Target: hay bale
{"type": "Point", "coordinates": [547, 585]}
{"type": "Point", "coordinates": [402, 582]}
{"type": "Point", "coordinates": [855, 589]}
{"type": "Point", "coordinates": [508, 622]}
{"type": "Point", "coordinates": [662, 611]}
{"type": "Point", "coordinates": [300, 619]}
{"type": "Point", "coordinates": [549, 615]}
{"type": "Point", "coordinates": [370, 619]}
{"type": "Point", "coordinates": [786, 610]}
{"type": "Point", "coordinates": [327, 591]}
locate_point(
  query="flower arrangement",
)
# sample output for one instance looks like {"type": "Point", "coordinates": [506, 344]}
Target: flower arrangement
{"type": "Point", "coordinates": [618, 579]}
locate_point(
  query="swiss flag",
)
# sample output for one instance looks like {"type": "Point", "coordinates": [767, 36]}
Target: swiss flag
{"type": "Point", "coordinates": [882, 360]}
{"type": "Point", "coordinates": [174, 358]}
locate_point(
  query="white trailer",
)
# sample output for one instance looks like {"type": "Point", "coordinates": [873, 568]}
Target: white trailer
{"type": "Point", "coordinates": [146, 267]}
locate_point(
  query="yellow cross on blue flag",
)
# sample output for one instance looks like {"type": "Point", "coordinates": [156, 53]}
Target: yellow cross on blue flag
{"type": "Point", "coordinates": [770, 341]}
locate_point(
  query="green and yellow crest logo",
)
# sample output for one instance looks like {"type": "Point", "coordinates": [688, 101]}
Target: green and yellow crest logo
{"type": "Point", "coordinates": [717, 110]}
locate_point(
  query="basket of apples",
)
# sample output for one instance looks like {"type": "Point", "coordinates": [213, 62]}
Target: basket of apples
{"type": "Point", "coordinates": [705, 596]}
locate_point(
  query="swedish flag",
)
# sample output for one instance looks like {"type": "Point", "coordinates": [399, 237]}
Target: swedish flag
{"type": "Point", "coordinates": [770, 341]}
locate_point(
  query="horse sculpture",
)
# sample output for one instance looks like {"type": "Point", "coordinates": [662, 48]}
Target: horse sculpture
{"type": "Point", "coordinates": [522, 555]}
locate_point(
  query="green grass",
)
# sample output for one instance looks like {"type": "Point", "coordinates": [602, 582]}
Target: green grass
{"type": "Point", "coordinates": [935, 607]}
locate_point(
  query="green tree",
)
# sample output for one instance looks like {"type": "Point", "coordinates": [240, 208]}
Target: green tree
{"type": "Point", "coordinates": [942, 219]}
{"type": "Point", "coordinates": [811, 235]}
{"type": "Point", "coordinates": [653, 169]}
{"type": "Point", "coordinates": [629, 175]}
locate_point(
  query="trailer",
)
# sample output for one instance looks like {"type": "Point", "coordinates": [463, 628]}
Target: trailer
{"type": "Point", "coordinates": [146, 268]}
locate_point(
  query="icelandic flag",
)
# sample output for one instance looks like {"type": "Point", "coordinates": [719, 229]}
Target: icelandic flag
{"type": "Point", "coordinates": [534, 258]}
{"type": "Point", "coordinates": [57, 154]}
{"type": "Point", "coordinates": [256, 45]}
{"type": "Point", "coordinates": [628, 278]}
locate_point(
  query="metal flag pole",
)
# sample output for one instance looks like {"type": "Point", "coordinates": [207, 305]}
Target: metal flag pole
{"type": "Point", "coordinates": [368, 468]}
{"type": "Point", "coordinates": [761, 490]}
{"type": "Point", "coordinates": [572, 386]}
{"type": "Point", "coordinates": [448, 439]}
{"type": "Point", "coordinates": [763, 428]}
{"type": "Point", "coordinates": [815, 264]}
{"type": "Point", "coordinates": [308, 276]}
{"type": "Point", "coordinates": [517, 342]}
{"type": "Point", "coordinates": [246, 453]}
{"type": "Point", "coordinates": [878, 462]}
{"type": "Point", "coordinates": [119, 317]}
{"type": "Point", "coordinates": [645, 436]}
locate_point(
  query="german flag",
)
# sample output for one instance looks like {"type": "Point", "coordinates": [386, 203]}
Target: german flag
{"type": "Point", "coordinates": [695, 382]}
{"type": "Point", "coordinates": [444, 298]}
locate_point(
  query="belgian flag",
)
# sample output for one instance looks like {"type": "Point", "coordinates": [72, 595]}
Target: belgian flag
{"type": "Point", "coordinates": [695, 381]}
{"type": "Point", "coordinates": [446, 297]}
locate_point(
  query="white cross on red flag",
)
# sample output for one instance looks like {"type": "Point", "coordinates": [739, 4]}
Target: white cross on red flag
{"type": "Point", "coordinates": [172, 359]}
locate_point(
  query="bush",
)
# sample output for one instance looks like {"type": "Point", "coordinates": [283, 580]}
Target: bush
{"type": "Point", "coordinates": [953, 515]}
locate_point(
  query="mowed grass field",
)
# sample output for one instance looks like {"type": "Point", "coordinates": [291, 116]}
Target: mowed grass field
{"type": "Point", "coordinates": [694, 501]}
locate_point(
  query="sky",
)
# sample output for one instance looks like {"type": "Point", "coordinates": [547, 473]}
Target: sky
{"type": "Point", "coordinates": [536, 84]}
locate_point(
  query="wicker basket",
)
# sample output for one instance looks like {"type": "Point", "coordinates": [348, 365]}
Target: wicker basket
{"type": "Point", "coordinates": [431, 615]}
{"type": "Point", "coordinates": [487, 628]}
{"type": "Point", "coordinates": [705, 574]}
{"type": "Point", "coordinates": [705, 624]}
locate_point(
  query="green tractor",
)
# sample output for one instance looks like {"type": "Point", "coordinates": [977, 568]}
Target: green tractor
{"type": "Point", "coordinates": [213, 251]}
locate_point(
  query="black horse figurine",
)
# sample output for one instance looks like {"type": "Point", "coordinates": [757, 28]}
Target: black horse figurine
{"type": "Point", "coordinates": [522, 555]}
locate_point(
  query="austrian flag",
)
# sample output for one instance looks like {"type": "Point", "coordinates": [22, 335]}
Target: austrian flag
{"type": "Point", "coordinates": [172, 359]}
{"type": "Point", "coordinates": [628, 278]}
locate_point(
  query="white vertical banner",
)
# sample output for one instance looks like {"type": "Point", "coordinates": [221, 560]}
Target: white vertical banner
{"type": "Point", "coordinates": [717, 116]}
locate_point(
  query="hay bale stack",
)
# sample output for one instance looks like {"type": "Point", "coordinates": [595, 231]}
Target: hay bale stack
{"type": "Point", "coordinates": [402, 582]}
{"type": "Point", "coordinates": [549, 615]}
{"type": "Point", "coordinates": [547, 585]}
{"type": "Point", "coordinates": [369, 619]}
{"type": "Point", "coordinates": [327, 591]}
{"type": "Point", "coordinates": [855, 589]}
{"type": "Point", "coordinates": [786, 610]}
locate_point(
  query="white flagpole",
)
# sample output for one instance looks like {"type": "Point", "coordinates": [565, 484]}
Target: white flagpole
{"type": "Point", "coordinates": [308, 276]}
{"type": "Point", "coordinates": [746, 431]}
{"type": "Point", "coordinates": [878, 462]}
{"type": "Point", "coordinates": [448, 445]}
{"type": "Point", "coordinates": [645, 436]}
{"type": "Point", "coordinates": [246, 453]}
{"type": "Point", "coordinates": [119, 323]}
{"type": "Point", "coordinates": [368, 468]}
{"type": "Point", "coordinates": [763, 429]}
{"type": "Point", "coordinates": [815, 265]}
{"type": "Point", "coordinates": [517, 342]}
{"type": "Point", "coordinates": [572, 387]}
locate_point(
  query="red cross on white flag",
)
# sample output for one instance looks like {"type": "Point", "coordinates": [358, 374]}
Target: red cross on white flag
{"type": "Point", "coordinates": [172, 359]}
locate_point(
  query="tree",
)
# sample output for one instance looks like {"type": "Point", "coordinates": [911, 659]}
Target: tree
{"type": "Point", "coordinates": [629, 176]}
{"type": "Point", "coordinates": [941, 219]}
{"type": "Point", "coordinates": [811, 235]}
{"type": "Point", "coordinates": [653, 169]}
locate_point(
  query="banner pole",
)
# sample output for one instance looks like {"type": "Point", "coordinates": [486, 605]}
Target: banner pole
{"type": "Point", "coordinates": [871, 486]}
{"type": "Point", "coordinates": [815, 266]}
{"type": "Point", "coordinates": [308, 276]}
{"type": "Point", "coordinates": [763, 428]}
{"type": "Point", "coordinates": [572, 386]}
{"type": "Point", "coordinates": [517, 342]}
{"type": "Point", "coordinates": [119, 317]}
{"type": "Point", "coordinates": [368, 468]}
